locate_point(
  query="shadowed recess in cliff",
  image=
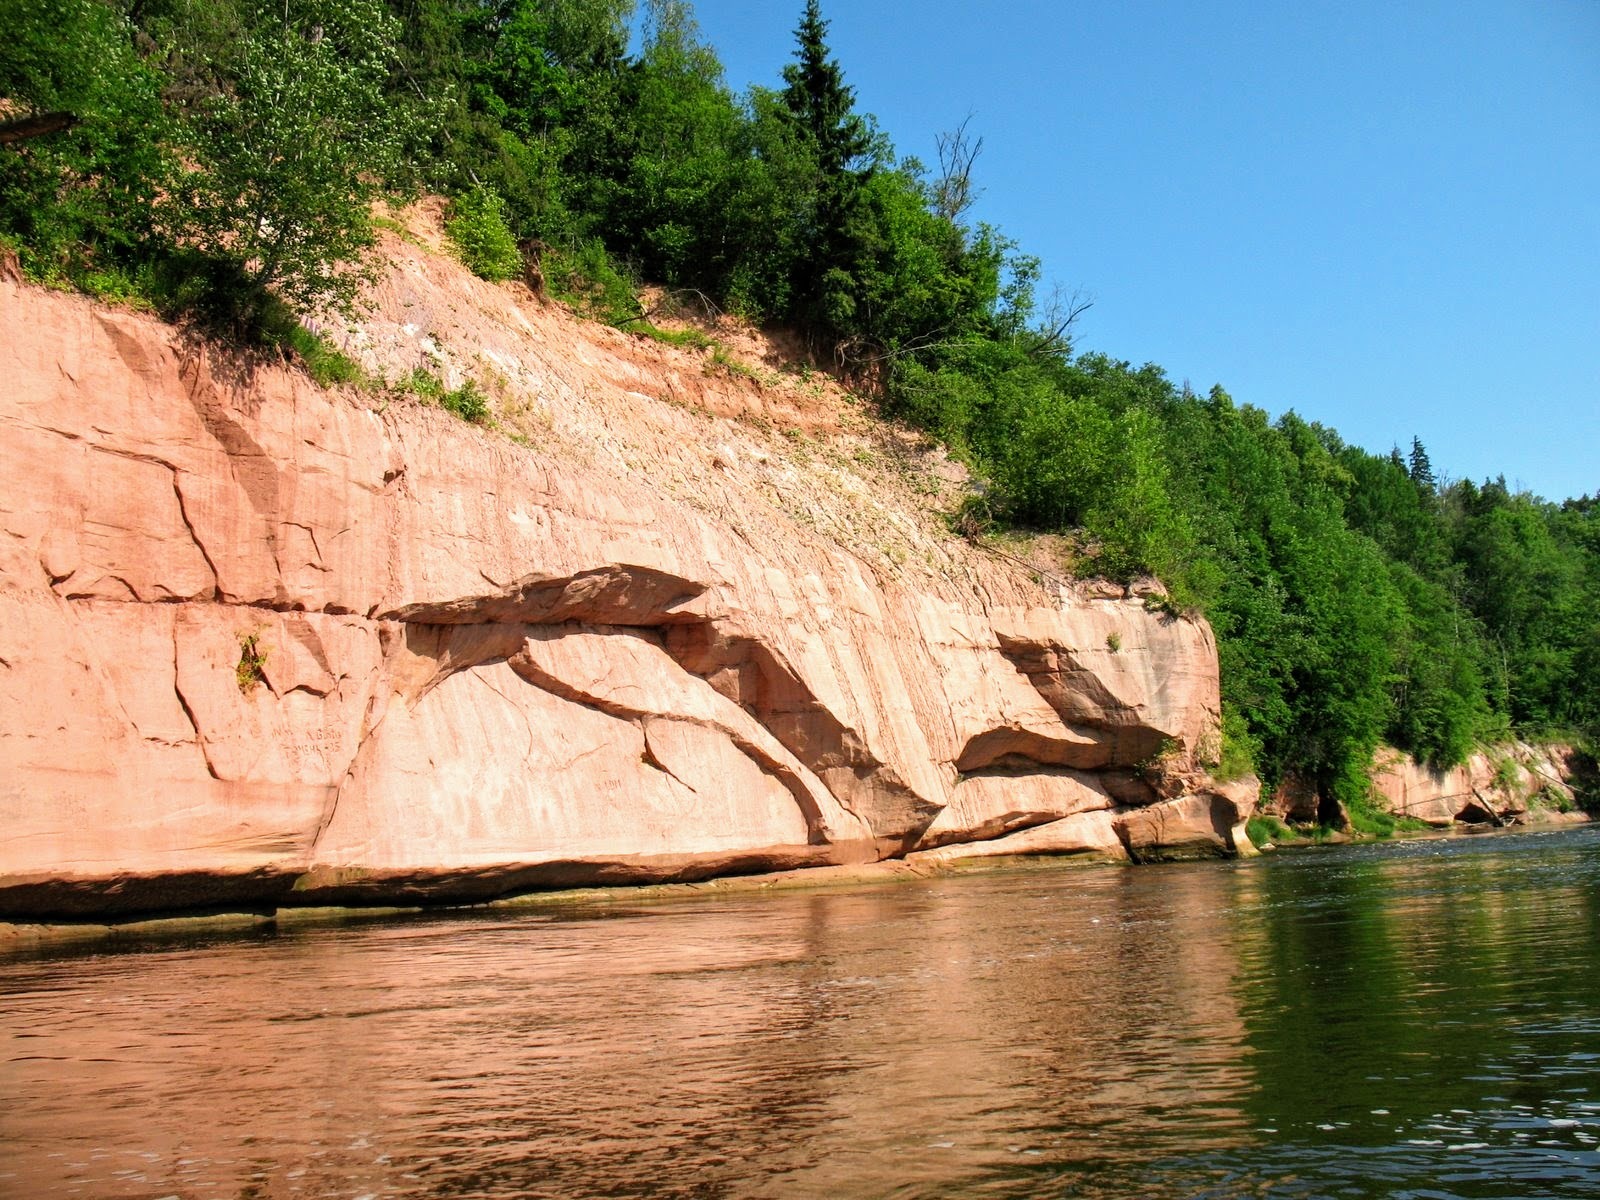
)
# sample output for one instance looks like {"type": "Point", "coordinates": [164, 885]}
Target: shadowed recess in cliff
{"type": "Point", "coordinates": [1205, 825]}
{"type": "Point", "coordinates": [756, 677]}
{"type": "Point", "coordinates": [1086, 700]}
{"type": "Point", "coordinates": [614, 594]}
{"type": "Point", "coordinates": [1016, 746]}
{"type": "Point", "coordinates": [1004, 799]}
{"type": "Point", "coordinates": [627, 674]}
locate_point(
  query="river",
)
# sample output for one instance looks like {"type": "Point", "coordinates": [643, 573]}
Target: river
{"type": "Point", "coordinates": [1416, 1019]}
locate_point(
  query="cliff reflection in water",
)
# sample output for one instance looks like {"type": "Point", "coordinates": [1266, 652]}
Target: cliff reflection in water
{"type": "Point", "coordinates": [1275, 1028]}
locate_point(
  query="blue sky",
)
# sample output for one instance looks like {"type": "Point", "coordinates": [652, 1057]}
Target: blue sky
{"type": "Point", "coordinates": [1383, 216]}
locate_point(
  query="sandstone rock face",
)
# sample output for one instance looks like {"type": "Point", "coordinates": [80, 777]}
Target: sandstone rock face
{"type": "Point", "coordinates": [263, 644]}
{"type": "Point", "coordinates": [1518, 783]}
{"type": "Point", "coordinates": [1515, 784]}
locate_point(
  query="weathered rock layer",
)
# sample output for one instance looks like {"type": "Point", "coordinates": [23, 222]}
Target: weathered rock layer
{"type": "Point", "coordinates": [1514, 784]}
{"type": "Point", "coordinates": [263, 644]}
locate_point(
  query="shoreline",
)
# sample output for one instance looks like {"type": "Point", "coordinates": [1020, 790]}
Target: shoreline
{"type": "Point", "coordinates": [25, 936]}
{"type": "Point", "coordinates": [28, 937]}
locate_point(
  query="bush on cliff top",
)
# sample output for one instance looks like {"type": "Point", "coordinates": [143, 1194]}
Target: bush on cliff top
{"type": "Point", "coordinates": [480, 237]}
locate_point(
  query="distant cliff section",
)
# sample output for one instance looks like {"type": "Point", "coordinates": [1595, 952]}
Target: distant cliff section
{"type": "Point", "coordinates": [682, 613]}
{"type": "Point", "coordinates": [1517, 783]}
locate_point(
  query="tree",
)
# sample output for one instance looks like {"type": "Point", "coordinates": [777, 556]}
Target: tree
{"type": "Point", "coordinates": [671, 211]}
{"type": "Point", "coordinates": [1421, 469]}
{"type": "Point", "coordinates": [953, 190]}
{"type": "Point", "coordinates": [291, 155]}
{"type": "Point", "coordinates": [821, 102]}
{"type": "Point", "coordinates": [82, 159]}
{"type": "Point", "coordinates": [823, 108]}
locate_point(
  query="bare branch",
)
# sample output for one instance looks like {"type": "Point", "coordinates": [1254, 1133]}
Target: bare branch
{"type": "Point", "coordinates": [1054, 336]}
{"type": "Point", "coordinates": [953, 193]}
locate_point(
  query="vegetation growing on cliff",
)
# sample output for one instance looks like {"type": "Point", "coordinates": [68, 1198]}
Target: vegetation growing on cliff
{"type": "Point", "coordinates": [220, 157]}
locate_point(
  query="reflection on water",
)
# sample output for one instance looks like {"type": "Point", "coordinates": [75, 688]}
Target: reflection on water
{"type": "Point", "coordinates": [1410, 1020]}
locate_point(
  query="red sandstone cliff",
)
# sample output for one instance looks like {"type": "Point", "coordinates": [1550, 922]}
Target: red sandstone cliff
{"type": "Point", "coordinates": [1514, 784]}
{"type": "Point", "coordinates": [267, 644]}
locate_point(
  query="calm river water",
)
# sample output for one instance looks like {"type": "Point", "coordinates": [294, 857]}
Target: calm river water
{"type": "Point", "coordinates": [1419, 1019]}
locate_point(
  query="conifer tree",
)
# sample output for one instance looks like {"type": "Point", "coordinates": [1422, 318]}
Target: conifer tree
{"type": "Point", "coordinates": [822, 106]}
{"type": "Point", "coordinates": [820, 100]}
{"type": "Point", "coordinates": [1421, 469]}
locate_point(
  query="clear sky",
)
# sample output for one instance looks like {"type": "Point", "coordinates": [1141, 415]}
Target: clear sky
{"type": "Point", "coordinates": [1385, 216]}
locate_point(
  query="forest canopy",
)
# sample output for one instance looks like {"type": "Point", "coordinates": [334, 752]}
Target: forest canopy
{"type": "Point", "coordinates": [219, 159]}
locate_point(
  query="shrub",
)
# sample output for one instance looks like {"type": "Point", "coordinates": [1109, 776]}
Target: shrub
{"type": "Point", "coordinates": [1367, 818]}
{"type": "Point", "coordinates": [1236, 757]}
{"type": "Point", "coordinates": [480, 237]}
{"type": "Point", "coordinates": [116, 284]}
{"type": "Point", "coordinates": [1548, 797]}
{"type": "Point", "coordinates": [585, 278]}
{"type": "Point", "coordinates": [252, 662]}
{"type": "Point", "coordinates": [690, 338]}
{"type": "Point", "coordinates": [1505, 774]}
{"type": "Point", "coordinates": [424, 383]}
{"type": "Point", "coordinates": [324, 362]}
{"type": "Point", "coordinates": [721, 362]}
{"type": "Point", "coordinates": [467, 402]}
{"type": "Point", "coordinates": [1264, 828]}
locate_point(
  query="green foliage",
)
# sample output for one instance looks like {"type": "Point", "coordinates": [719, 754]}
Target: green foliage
{"type": "Point", "coordinates": [467, 402]}
{"type": "Point", "coordinates": [690, 338]}
{"type": "Point", "coordinates": [1420, 468]}
{"type": "Point", "coordinates": [116, 283]}
{"type": "Point", "coordinates": [838, 141]}
{"type": "Point", "coordinates": [423, 383]}
{"type": "Point", "coordinates": [1505, 773]}
{"type": "Point", "coordinates": [721, 362]}
{"type": "Point", "coordinates": [323, 361]}
{"type": "Point", "coordinates": [1264, 829]}
{"type": "Point", "coordinates": [1369, 820]}
{"type": "Point", "coordinates": [480, 237]}
{"type": "Point", "coordinates": [1239, 748]}
{"type": "Point", "coordinates": [1549, 798]}
{"type": "Point", "coordinates": [79, 202]}
{"type": "Point", "coordinates": [251, 668]}
{"type": "Point", "coordinates": [586, 278]}
{"type": "Point", "coordinates": [820, 102]}
{"type": "Point", "coordinates": [289, 155]}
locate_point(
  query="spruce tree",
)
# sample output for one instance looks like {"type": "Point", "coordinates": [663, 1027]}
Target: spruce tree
{"type": "Point", "coordinates": [822, 107]}
{"type": "Point", "coordinates": [1421, 469]}
{"type": "Point", "coordinates": [821, 102]}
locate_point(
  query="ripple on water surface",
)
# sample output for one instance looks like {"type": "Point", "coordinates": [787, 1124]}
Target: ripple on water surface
{"type": "Point", "coordinates": [1415, 1020]}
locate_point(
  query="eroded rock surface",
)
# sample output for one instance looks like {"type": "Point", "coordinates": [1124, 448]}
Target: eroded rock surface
{"type": "Point", "coordinates": [262, 644]}
{"type": "Point", "coordinates": [1515, 784]}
